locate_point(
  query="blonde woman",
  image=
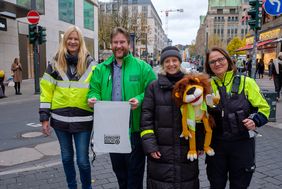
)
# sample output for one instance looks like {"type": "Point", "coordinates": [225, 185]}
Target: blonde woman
{"type": "Point", "coordinates": [16, 69]}
{"type": "Point", "coordinates": [63, 104]}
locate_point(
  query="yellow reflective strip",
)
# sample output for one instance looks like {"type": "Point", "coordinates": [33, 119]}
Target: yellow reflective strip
{"type": "Point", "coordinates": [146, 132]}
{"type": "Point", "coordinates": [49, 78]}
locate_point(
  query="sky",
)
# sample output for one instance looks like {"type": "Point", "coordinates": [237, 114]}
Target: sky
{"type": "Point", "coordinates": [182, 26]}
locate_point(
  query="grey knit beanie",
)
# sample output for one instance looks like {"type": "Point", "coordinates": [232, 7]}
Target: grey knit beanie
{"type": "Point", "coordinates": [170, 51]}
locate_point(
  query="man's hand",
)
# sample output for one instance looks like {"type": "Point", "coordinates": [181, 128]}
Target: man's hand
{"type": "Point", "coordinates": [46, 128]}
{"type": "Point", "coordinates": [134, 103]}
{"type": "Point", "coordinates": [91, 102]}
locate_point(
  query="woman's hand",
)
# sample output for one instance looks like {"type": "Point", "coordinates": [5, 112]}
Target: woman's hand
{"type": "Point", "coordinates": [46, 130]}
{"type": "Point", "coordinates": [156, 155]}
{"type": "Point", "coordinates": [249, 124]}
{"type": "Point", "coordinates": [91, 102]}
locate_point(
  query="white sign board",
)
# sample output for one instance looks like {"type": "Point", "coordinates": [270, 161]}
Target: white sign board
{"type": "Point", "coordinates": [111, 127]}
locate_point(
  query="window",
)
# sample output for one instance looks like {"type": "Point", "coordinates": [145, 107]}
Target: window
{"type": "Point", "coordinates": [27, 3]}
{"type": "Point", "coordinates": [219, 11]}
{"type": "Point", "coordinates": [88, 11]}
{"type": "Point", "coordinates": [66, 11]}
{"type": "Point", "coordinates": [232, 11]}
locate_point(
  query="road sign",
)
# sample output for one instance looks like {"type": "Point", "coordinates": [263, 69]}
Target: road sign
{"type": "Point", "coordinates": [33, 17]}
{"type": "Point", "coordinates": [273, 7]}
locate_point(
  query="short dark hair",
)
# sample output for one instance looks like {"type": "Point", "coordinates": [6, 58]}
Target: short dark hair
{"type": "Point", "coordinates": [231, 65]}
{"type": "Point", "coordinates": [121, 30]}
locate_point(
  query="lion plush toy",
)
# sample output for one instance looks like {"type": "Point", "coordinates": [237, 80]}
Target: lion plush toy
{"type": "Point", "coordinates": [189, 93]}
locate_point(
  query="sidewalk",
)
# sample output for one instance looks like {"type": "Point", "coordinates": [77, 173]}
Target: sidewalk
{"type": "Point", "coordinates": [50, 175]}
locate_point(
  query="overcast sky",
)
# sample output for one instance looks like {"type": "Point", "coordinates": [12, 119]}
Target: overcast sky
{"type": "Point", "coordinates": [182, 27]}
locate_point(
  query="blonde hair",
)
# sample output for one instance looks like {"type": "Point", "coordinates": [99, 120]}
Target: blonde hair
{"type": "Point", "coordinates": [61, 63]}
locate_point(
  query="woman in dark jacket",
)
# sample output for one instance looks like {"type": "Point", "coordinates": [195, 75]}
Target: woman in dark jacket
{"type": "Point", "coordinates": [167, 164]}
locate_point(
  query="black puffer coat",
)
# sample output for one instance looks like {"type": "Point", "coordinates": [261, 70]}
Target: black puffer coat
{"type": "Point", "coordinates": [163, 117]}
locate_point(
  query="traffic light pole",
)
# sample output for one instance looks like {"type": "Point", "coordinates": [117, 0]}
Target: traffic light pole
{"type": "Point", "coordinates": [254, 52]}
{"type": "Point", "coordinates": [36, 67]}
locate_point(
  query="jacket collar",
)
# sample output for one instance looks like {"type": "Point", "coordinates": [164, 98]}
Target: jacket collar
{"type": "Point", "coordinates": [226, 79]}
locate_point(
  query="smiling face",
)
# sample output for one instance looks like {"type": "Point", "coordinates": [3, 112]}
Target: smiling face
{"type": "Point", "coordinates": [73, 43]}
{"type": "Point", "coordinates": [120, 46]}
{"type": "Point", "coordinates": [218, 64]}
{"type": "Point", "coordinates": [171, 65]}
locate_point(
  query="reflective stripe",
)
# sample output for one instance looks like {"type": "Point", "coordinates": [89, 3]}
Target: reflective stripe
{"type": "Point", "coordinates": [73, 84]}
{"type": "Point", "coordinates": [45, 105]}
{"type": "Point", "coordinates": [79, 85]}
{"type": "Point", "coordinates": [72, 119]}
{"type": "Point", "coordinates": [49, 78]}
{"type": "Point", "coordinates": [149, 131]}
{"type": "Point", "coordinates": [62, 73]}
{"type": "Point", "coordinates": [87, 72]}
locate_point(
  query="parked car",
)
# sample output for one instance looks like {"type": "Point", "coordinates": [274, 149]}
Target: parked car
{"type": "Point", "coordinates": [189, 67]}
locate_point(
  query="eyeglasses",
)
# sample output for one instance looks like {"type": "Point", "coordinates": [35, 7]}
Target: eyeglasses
{"type": "Point", "coordinates": [219, 60]}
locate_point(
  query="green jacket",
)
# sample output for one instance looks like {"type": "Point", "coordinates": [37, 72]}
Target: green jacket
{"type": "Point", "coordinates": [136, 75]}
{"type": "Point", "coordinates": [251, 90]}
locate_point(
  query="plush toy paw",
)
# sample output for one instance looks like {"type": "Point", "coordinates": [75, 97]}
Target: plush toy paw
{"type": "Point", "coordinates": [209, 151]}
{"type": "Point", "coordinates": [212, 99]}
{"type": "Point", "coordinates": [185, 134]}
{"type": "Point", "coordinates": [192, 155]}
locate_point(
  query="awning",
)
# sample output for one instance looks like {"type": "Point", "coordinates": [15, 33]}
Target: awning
{"type": "Point", "coordinates": [277, 40]}
{"type": "Point", "coordinates": [12, 10]}
{"type": "Point", "coordinates": [259, 44]}
{"type": "Point", "coordinates": [264, 42]}
{"type": "Point", "coordinates": [247, 47]}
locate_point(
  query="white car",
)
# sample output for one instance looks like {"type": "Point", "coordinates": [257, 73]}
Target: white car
{"type": "Point", "coordinates": [189, 67]}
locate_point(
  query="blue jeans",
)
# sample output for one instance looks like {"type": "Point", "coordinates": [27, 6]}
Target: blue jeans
{"type": "Point", "coordinates": [81, 140]}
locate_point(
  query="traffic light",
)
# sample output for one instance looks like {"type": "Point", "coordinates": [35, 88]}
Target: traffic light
{"type": "Point", "coordinates": [32, 33]}
{"type": "Point", "coordinates": [255, 14]}
{"type": "Point", "coordinates": [42, 34]}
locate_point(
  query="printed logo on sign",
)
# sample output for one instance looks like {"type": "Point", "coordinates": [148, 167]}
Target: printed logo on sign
{"type": "Point", "coordinates": [111, 139]}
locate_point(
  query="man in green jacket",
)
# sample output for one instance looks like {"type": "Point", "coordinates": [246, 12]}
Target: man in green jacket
{"type": "Point", "coordinates": [123, 77]}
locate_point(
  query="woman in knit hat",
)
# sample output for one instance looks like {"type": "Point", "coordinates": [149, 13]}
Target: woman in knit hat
{"type": "Point", "coordinates": [167, 164]}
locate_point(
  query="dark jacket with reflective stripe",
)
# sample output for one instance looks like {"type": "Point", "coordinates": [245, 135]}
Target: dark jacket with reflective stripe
{"type": "Point", "coordinates": [160, 114]}
{"type": "Point", "coordinates": [72, 104]}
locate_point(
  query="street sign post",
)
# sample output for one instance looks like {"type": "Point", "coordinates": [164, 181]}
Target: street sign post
{"type": "Point", "coordinates": [33, 17]}
{"type": "Point", "coordinates": [273, 7]}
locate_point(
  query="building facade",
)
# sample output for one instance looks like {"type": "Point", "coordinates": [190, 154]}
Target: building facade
{"type": "Point", "coordinates": [150, 37]}
{"type": "Point", "coordinates": [56, 16]}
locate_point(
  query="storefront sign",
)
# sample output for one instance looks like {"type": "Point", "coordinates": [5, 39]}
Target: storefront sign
{"type": "Point", "coordinates": [3, 24]}
{"type": "Point", "coordinates": [271, 34]}
{"type": "Point", "coordinates": [250, 40]}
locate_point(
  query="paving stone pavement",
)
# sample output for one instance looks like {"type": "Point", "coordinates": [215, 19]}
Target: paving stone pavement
{"type": "Point", "coordinates": [268, 173]}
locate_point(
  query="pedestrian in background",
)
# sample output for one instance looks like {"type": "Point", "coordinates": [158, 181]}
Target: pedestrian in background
{"type": "Point", "coordinates": [123, 77]}
{"type": "Point", "coordinates": [241, 109]}
{"type": "Point", "coordinates": [270, 66]}
{"type": "Point", "coordinates": [277, 74]}
{"type": "Point", "coordinates": [16, 70]}
{"type": "Point", "coordinates": [64, 89]}
{"type": "Point", "coordinates": [261, 68]}
{"type": "Point", "coordinates": [161, 126]}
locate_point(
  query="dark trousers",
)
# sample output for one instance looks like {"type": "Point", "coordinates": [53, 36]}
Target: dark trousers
{"type": "Point", "coordinates": [129, 168]}
{"type": "Point", "coordinates": [2, 88]}
{"type": "Point", "coordinates": [234, 160]}
{"type": "Point", "coordinates": [18, 87]}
